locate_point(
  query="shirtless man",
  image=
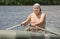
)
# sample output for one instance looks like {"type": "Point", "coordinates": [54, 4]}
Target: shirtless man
{"type": "Point", "coordinates": [37, 19]}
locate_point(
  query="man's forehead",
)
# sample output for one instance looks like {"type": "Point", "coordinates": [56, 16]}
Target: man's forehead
{"type": "Point", "coordinates": [36, 6]}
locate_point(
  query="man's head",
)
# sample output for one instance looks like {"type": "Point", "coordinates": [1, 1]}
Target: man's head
{"type": "Point", "coordinates": [36, 8]}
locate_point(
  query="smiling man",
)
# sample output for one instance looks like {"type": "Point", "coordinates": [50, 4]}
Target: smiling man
{"type": "Point", "coordinates": [37, 19]}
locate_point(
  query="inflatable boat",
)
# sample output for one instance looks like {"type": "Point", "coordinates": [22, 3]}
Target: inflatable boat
{"type": "Point", "coordinates": [11, 34]}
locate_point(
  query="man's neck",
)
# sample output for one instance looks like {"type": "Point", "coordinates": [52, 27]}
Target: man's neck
{"type": "Point", "coordinates": [38, 14]}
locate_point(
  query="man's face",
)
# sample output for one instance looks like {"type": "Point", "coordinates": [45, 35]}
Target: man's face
{"type": "Point", "coordinates": [36, 9]}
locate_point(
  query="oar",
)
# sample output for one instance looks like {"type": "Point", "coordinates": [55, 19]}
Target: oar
{"type": "Point", "coordinates": [13, 27]}
{"type": "Point", "coordinates": [49, 31]}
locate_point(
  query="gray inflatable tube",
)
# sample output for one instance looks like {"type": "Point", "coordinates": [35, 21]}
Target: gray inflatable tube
{"type": "Point", "coordinates": [8, 34]}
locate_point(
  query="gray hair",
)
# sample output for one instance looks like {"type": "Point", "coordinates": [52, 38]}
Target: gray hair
{"type": "Point", "coordinates": [36, 4]}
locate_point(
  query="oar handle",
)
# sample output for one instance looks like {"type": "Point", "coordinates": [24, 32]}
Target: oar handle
{"type": "Point", "coordinates": [21, 24]}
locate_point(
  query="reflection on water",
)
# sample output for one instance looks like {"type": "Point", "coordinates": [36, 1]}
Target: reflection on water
{"type": "Point", "coordinates": [13, 15]}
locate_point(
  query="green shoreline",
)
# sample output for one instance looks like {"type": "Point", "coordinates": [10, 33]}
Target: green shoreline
{"type": "Point", "coordinates": [29, 2]}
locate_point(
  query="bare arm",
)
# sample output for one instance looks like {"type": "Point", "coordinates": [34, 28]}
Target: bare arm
{"type": "Point", "coordinates": [43, 17]}
{"type": "Point", "coordinates": [26, 21]}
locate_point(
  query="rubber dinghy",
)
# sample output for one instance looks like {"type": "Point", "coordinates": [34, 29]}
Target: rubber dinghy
{"type": "Point", "coordinates": [8, 34]}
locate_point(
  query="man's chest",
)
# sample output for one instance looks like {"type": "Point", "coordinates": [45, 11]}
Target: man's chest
{"type": "Point", "coordinates": [35, 18]}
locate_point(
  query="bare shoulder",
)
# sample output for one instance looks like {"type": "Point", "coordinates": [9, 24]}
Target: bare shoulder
{"type": "Point", "coordinates": [30, 15]}
{"type": "Point", "coordinates": [43, 14]}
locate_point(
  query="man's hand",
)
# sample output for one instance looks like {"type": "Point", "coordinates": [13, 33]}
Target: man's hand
{"type": "Point", "coordinates": [23, 23]}
{"type": "Point", "coordinates": [33, 25]}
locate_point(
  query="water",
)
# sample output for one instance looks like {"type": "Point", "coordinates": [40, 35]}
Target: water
{"type": "Point", "coordinates": [13, 15]}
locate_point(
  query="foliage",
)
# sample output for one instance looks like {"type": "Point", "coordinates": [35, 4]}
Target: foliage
{"type": "Point", "coordinates": [29, 2]}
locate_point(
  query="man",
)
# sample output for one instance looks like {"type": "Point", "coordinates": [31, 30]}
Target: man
{"type": "Point", "coordinates": [37, 19]}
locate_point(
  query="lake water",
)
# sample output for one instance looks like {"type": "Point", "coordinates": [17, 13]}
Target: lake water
{"type": "Point", "coordinates": [13, 15]}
